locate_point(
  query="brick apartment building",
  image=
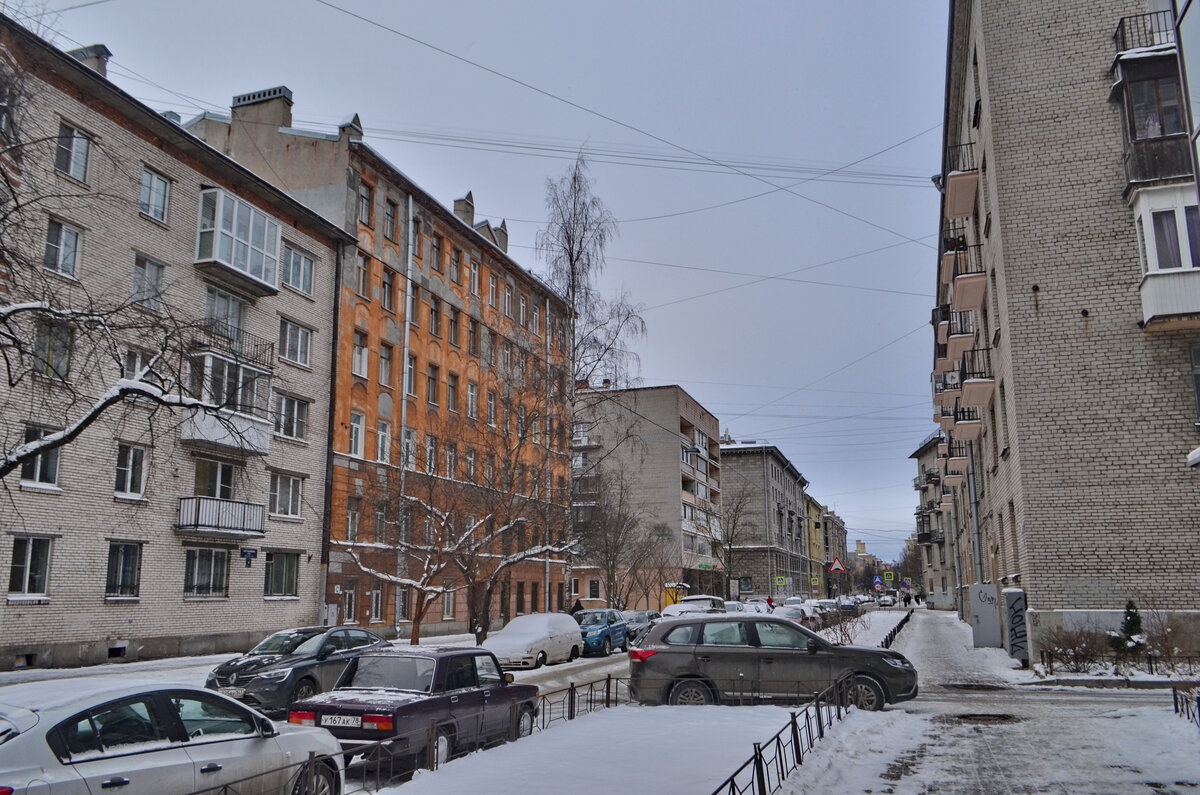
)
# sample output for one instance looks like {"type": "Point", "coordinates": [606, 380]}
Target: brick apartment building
{"type": "Point", "coordinates": [1067, 325]}
{"type": "Point", "coordinates": [158, 530]}
{"type": "Point", "coordinates": [938, 577]}
{"type": "Point", "coordinates": [449, 386]}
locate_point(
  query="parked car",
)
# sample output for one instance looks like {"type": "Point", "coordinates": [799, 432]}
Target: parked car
{"type": "Point", "coordinates": [887, 600]}
{"type": "Point", "coordinates": [291, 665]}
{"type": "Point", "coordinates": [734, 606]}
{"type": "Point", "coordinates": [822, 612]}
{"type": "Point", "coordinates": [603, 631]}
{"type": "Point", "coordinates": [681, 608]}
{"type": "Point", "coordinates": [798, 613]}
{"type": "Point", "coordinates": [758, 607]}
{"type": "Point", "coordinates": [752, 658]}
{"type": "Point", "coordinates": [706, 599]}
{"type": "Point", "coordinates": [532, 640]}
{"type": "Point", "coordinates": [638, 621]}
{"type": "Point", "coordinates": [395, 694]}
{"type": "Point", "coordinates": [848, 605]}
{"type": "Point", "coordinates": [146, 737]}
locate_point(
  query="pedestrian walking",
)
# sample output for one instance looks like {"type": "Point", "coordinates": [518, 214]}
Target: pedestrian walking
{"type": "Point", "coordinates": [575, 608]}
{"type": "Point", "coordinates": [907, 599]}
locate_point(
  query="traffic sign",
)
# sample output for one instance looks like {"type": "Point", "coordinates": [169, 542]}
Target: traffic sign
{"type": "Point", "coordinates": [889, 575]}
{"type": "Point", "coordinates": [816, 581]}
{"type": "Point", "coordinates": [781, 581]}
{"type": "Point", "coordinates": [878, 580]}
{"type": "Point", "coordinates": [878, 587]}
{"type": "Point", "coordinates": [837, 567]}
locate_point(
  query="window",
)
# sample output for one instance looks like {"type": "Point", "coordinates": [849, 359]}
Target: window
{"type": "Point", "coordinates": [362, 276]}
{"type": "Point", "coordinates": [387, 290]}
{"type": "Point", "coordinates": [448, 608]}
{"type": "Point", "coordinates": [131, 461]}
{"type": "Point", "coordinates": [383, 438]}
{"type": "Point", "coordinates": [225, 313]}
{"type": "Point", "coordinates": [414, 297]}
{"type": "Point", "coordinates": [286, 491]}
{"type": "Point", "coordinates": [508, 300]}
{"type": "Point", "coordinates": [474, 277]}
{"type": "Point", "coordinates": [377, 603]}
{"type": "Point", "coordinates": [294, 342]}
{"type": "Point", "coordinates": [533, 597]}
{"type": "Point", "coordinates": [452, 391]}
{"type": "Point", "coordinates": [491, 408]}
{"type": "Point", "coordinates": [206, 573]}
{"type": "Point", "coordinates": [493, 290]}
{"type": "Point", "coordinates": [136, 362]}
{"type": "Point", "coordinates": [42, 468]}
{"type": "Point", "coordinates": [520, 598]}
{"type": "Point", "coordinates": [297, 270]}
{"type": "Point", "coordinates": [230, 385]}
{"type": "Point", "coordinates": [147, 283]}
{"type": "Point", "coordinates": [124, 569]}
{"type": "Point", "coordinates": [469, 462]}
{"type": "Point", "coordinates": [282, 574]}
{"type": "Point", "coordinates": [1156, 108]}
{"type": "Point", "coordinates": [451, 460]}
{"type": "Point", "coordinates": [521, 422]}
{"type": "Point", "coordinates": [291, 416]}
{"type": "Point", "coordinates": [537, 320]}
{"type": "Point", "coordinates": [364, 203]}
{"type": "Point", "coordinates": [725, 633]}
{"type": "Point", "coordinates": [574, 586]}
{"type": "Point", "coordinates": [431, 384]}
{"type": "Point", "coordinates": [62, 249]}
{"type": "Point", "coordinates": [389, 220]}
{"type": "Point", "coordinates": [435, 316]}
{"type": "Point", "coordinates": [52, 347]}
{"type": "Point", "coordinates": [385, 364]}
{"type": "Point", "coordinates": [353, 507]}
{"type": "Point", "coordinates": [431, 454]}
{"type": "Point", "coordinates": [435, 256]}
{"type": "Point", "coordinates": [349, 599]}
{"type": "Point", "coordinates": [357, 422]}
{"type": "Point", "coordinates": [410, 449]}
{"type": "Point", "coordinates": [453, 329]}
{"type": "Point", "coordinates": [489, 469]}
{"type": "Point", "coordinates": [524, 312]}
{"type": "Point", "coordinates": [359, 363]}
{"type": "Point", "coordinates": [410, 376]}
{"type": "Point", "coordinates": [456, 266]}
{"type": "Point", "coordinates": [473, 337]}
{"type": "Point", "coordinates": [30, 570]}
{"type": "Point", "coordinates": [472, 400]}
{"type": "Point", "coordinates": [593, 589]}
{"type": "Point", "coordinates": [71, 156]}
{"type": "Point", "coordinates": [214, 479]}
{"type": "Point", "coordinates": [237, 235]}
{"type": "Point", "coordinates": [154, 195]}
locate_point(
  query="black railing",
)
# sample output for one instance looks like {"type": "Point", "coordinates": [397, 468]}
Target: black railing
{"type": "Point", "coordinates": [1145, 30]}
{"type": "Point", "coordinates": [976, 363]}
{"type": "Point", "coordinates": [210, 513]}
{"type": "Point", "coordinates": [940, 314]}
{"type": "Point", "coordinates": [954, 235]}
{"type": "Point", "coordinates": [958, 450]}
{"type": "Point", "coordinates": [923, 538]}
{"type": "Point", "coordinates": [961, 323]}
{"type": "Point", "coordinates": [960, 158]}
{"type": "Point", "coordinates": [1187, 704]}
{"type": "Point", "coordinates": [964, 414]}
{"type": "Point", "coordinates": [968, 262]}
{"type": "Point", "coordinates": [244, 346]}
{"type": "Point", "coordinates": [890, 638]}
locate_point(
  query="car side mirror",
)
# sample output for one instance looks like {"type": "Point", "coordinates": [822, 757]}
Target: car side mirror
{"type": "Point", "coordinates": [324, 652]}
{"type": "Point", "coordinates": [813, 648]}
{"type": "Point", "coordinates": [509, 678]}
{"type": "Point", "coordinates": [266, 728]}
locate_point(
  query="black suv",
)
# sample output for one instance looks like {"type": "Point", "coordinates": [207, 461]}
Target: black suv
{"type": "Point", "coordinates": [753, 659]}
{"type": "Point", "coordinates": [291, 665]}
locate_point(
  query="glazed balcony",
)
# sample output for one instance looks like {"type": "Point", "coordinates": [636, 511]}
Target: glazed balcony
{"type": "Point", "coordinates": [968, 424]}
{"type": "Point", "coordinates": [214, 516]}
{"type": "Point", "coordinates": [969, 279]}
{"type": "Point", "coordinates": [961, 335]}
{"type": "Point", "coordinates": [977, 378]}
{"type": "Point", "coordinates": [1144, 30]}
{"type": "Point", "coordinates": [1171, 299]}
{"type": "Point", "coordinates": [923, 538]}
{"type": "Point", "coordinates": [962, 181]}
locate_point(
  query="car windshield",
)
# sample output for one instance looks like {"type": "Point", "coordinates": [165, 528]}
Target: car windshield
{"type": "Point", "coordinates": [393, 672]}
{"type": "Point", "coordinates": [590, 619]}
{"type": "Point", "coordinates": [286, 642]}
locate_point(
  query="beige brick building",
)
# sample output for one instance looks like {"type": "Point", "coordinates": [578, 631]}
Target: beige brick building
{"type": "Point", "coordinates": [157, 530]}
{"type": "Point", "coordinates": [1067, 325]}
{"type": "Point", "coordinates": [938, 578]}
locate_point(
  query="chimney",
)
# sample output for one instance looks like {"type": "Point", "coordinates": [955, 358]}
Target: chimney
{"type": "Point", "coordinates": [94, 57]}
{"type": "Point", "coordinates": [501, 233]}
{"type": "Point", "coordinates": [464, 208]}
{"type": "Point", "coordinates": [351, 128]}
{"type": "Point", "coordinates": [272, 106]}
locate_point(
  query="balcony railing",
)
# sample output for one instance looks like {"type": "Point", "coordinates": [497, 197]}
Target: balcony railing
{"type": "Point", "coordinates": [964, 414]}
{"type": "Point", "coordinates": [960, 158]}
{"type": "Point", "coordinates": [940, 314]}
{"type": "Point", "coordinates": [923, 538]}
{"type": "Point", "coordinates": [1157, 158]}
{"type": "Point", "coordinates": [976, 363]}
{"type": "Point", "coordinates": [1145, 30]}
{"type": "Point", "coordinates": [961, 323]}
{"type": "Point", "coordinates": [954, 235]}
{"type": "Point", "coordinates": [968, 262]}
{"type": "Point", "coordinates": [244, 346]}
{"type": "Point", "coordinates": [213, 515]}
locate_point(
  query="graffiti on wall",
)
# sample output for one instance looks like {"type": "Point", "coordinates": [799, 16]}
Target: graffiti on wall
{"type": "Point", "coordinates": [1018, 632]}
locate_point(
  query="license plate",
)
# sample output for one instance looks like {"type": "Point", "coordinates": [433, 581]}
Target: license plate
{"type": "Point", "coordinates": [232, 692]}
{"type": "Point", "coordinates": [353, 721]}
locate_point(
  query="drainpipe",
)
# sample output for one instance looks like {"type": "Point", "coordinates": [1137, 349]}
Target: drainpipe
{"type": "Point", "coordinates": [408, 302]}
{"type": "Point", "coordinates": [767, 528]}
{"type": "Point", "coordinates": [549, 475]}
{"type": "Point", "coordinates": [974, 511]}
{"type": "Point", "coordinates": [327, 521]}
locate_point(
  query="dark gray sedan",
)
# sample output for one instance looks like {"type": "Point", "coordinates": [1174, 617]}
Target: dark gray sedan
{"type": "Point", "coordinates": [756, 659]}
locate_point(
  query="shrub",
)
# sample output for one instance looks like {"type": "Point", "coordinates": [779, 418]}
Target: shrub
{"type": "Point", "coordinates": [1075, 650]}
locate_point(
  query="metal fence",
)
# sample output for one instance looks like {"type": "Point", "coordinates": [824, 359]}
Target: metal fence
{"type": "Point", "coordinates": [1187, 704]}
{"type": "Point", "coordinates": [890, 638]}
{"type": "Point", "coordinates": [1091, 662]}
{"type": "Point", "coordinates": [775, 759]}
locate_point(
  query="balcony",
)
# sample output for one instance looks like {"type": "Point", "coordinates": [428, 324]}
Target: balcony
{"type": "Point", "coordinates": [954, 235]}
{"type": "Point", "coordinates": [224, 432]}
{"type": "Point", "coordinates": [1155, 159]}
{"type": "Point", "coordinates": [941, 362]}
{"type": "Point", "coordinates": [962, 180]}
{"type": "Point", "coordinates": [1171, 299]}
{"type": "Point", "coordinates": [244, 347]}
{"type": "Point", "coordinates": [958, 459]}
{"type": "Point", "coordinates": [944, 417]}
{"type": "Point", "coordinates": [939, 318]}
{"type": "Point", "coordinates": [954, 479]}
{"type": "Point", "coordinates": [961, 337]}
{"type": "Point", "coordinates": [923, 538]}
{"type": "Point", "coordinates": [238, 243]}
{"type": "Point", "coordinates": [978, 379]}
{"type": "Point", "coordinates": [969, 279]}
{"type": "Point", "coordinates": [1145, 30]}
{"type": "Point", "coordinates": [947, 502]}
{"type": "Point", "coordinates": [946, 388]}
{"type": "Point", "coordinates": [968, 425]}
{"type": "Point", "coordinates": [221, 517]}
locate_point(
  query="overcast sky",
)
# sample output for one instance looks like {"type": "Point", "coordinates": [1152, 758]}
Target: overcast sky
{"type": "Point", "coordinates": [798, 316]}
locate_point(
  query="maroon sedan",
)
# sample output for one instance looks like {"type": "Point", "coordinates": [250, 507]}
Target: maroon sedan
{"type": "Point", "coordinates": [395, 696]}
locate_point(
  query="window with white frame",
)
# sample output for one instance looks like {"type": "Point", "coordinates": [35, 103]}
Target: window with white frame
{"type": "Point", "coordinates": [124, 569]}
{"type": "Point", "coordinates": [435, 316]}
{"type": "Point", "coordinates": [453, 327]}
{"type": "Point", "coordinates": [473, 337]}
{"type": "Point", "coordinates": [282, 574]}
{"type": "Point", "coordinates": [524, 311]}
{"type": "Point", "coordinates": [130, 477]}
{"type": "Point", "coordinates": [155, 190]}
{"type": "Point", "coordinates": [491, 408]}
{"type": "Point", "coordinates": [358, 365]}
{"type": "Point", "coordinates": [353, 511]}
{"type": "Point", "coordinates": [350, 602]}
{"type": "Point", "coordinates": [472, 400]}
{"type": "Point", "coordinates": [448, 601]}
{"type": "Point", "coordinates": [295, 342]}
{"type": "Point", "coordinates": [537, 320]}
{"type": "Point", "coordinates": [214, 478]}
{"type": "Point", "coordinates": [357, 423]}
{"type": "Point", "coordinates": [385, 364]}
{"type": "Point", "coordinates": [456, 266]}
{"type": "Point", "coordinates": [291, 416]}
{"type": "Point", "coordinates": [230, 385]}
{"type": "Point", "coordinates": [435, 252]}
{"type": "Point", "coordinates": [148, 283]}
{"type": "Point", "coordinates": [206, 572]}
{"type": "Point", "coordinates": [508, 300]}
{"type": "Point", "coordinates": [52, 345]}
{"type": "Point", "coordinates": [29, 574]}
{"type": "Point", "coordinates": [469, 463]}
{"type": "Point", "coordinates": [238, 235]}
{"type": "Point", "coordinates": [383, 437]}
{"type": "Point", "coordinates": [297, 270]}
{"type": "Point", "coordinates": [62, 248]}
{"type": "Point", "coordinates": [225, 313]}
{"type": "Point", "coordinates": [451, 460]}
{"type": "Point", "coordinates": [493, 290]}
{"type": "Point", "coordinates": [410, 376]}
{"type": "Point", "coordinates": [286, 494]}
{"type": "Point", "coordinates": [1168, 226]}
{"type": "Point", "coordinates": [43, 467]}
{"type": "Point", "coordinates": [136, 362]}
{"type": "Point", "coordinates": [474, 277]}
{"type": "Point", "coordinates": [377, 603]}
{"type": "Point", "coordinates": [71, 154]}
{"type": "Point", "coordinates": [431, 449]}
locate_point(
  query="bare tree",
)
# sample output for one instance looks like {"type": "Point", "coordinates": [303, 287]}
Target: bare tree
{"type": "Point", "coordinates": [736, 530]}
{"type": "Point", "coordinates": [612, 533]}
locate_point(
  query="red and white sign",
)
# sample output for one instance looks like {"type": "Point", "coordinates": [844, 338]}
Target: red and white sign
{"type": "Point", "coordinates": [837, 567]}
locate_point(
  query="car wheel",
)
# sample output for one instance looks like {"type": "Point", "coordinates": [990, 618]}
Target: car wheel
{"type": "Point", "coordinates": [525, 723]}
{"type": "Point", "coordinates": [324, 782]}
{"type": "Point", "coordinates": [305, 689]}
{"type": "Point", "coordinates": [866, 694]}
{"type": "Point", "coordinates": [691, 692]}
{"type": "Point", "coordinates": [540, 660]}
{"type": "Point", "coordinates": [574, 654]}
{"type": "Point", "coordinates": [443, 747]}
{"type": "Point", "coordinates": [607, 650]}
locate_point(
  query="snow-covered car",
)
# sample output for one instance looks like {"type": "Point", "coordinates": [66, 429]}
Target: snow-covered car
{"type": "Point", "coordinates": [531, 641]}
{"type": "Point", "coordinates": [734, 606]}
{"type": "Point", "coordinates": [685, 608]}
{"type": "Point", "coordinates": [758, 607]}
{"type": "Point", "coordinates": [705, 599]}
{"type": "Point", "coordinates": [887, 600]}
{"type": "Point", "coordinates": [602, 631]}
{"type": "Point", "coordinates": [798, 613]}
{"type": "Point", "coordinates": [146, 737]}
